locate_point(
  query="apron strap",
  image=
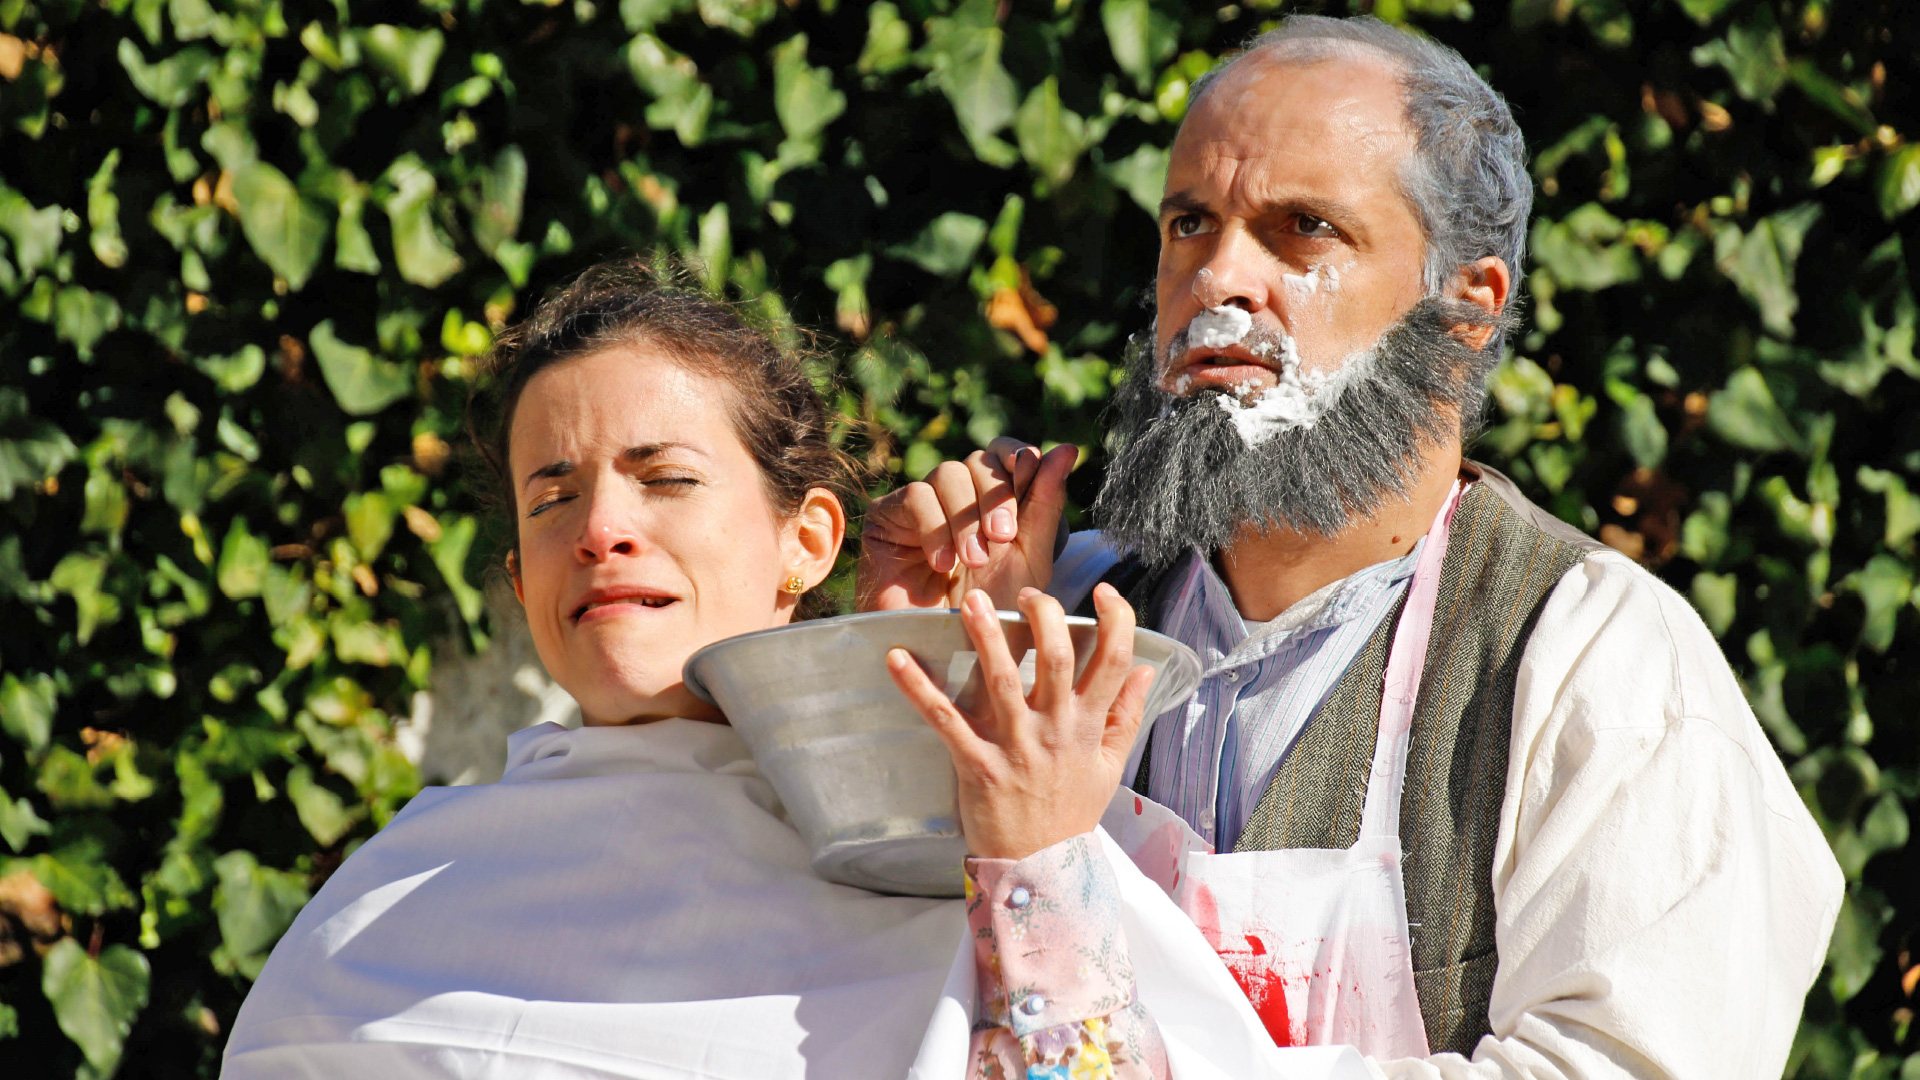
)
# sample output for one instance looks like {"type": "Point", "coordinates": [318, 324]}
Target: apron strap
{"type": "Point", "coordinates": [1405, 662]}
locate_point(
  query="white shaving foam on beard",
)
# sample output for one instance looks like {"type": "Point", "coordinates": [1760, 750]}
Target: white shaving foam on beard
{"type": "Point", "coordinates": [1219, 327]}
{"type": "Point", "coordinates": [1298, 400]}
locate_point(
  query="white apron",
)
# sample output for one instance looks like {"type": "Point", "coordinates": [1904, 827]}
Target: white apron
{"type": "Point", "coordinates": [1317, 938]}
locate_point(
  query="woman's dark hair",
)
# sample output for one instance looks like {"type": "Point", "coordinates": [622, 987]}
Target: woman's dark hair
{"type": "Point", "coordinates": [777, 413]}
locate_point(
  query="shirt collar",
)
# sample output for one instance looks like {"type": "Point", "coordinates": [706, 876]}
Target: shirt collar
{"type": "Point", "coordinates": [1203, 606]}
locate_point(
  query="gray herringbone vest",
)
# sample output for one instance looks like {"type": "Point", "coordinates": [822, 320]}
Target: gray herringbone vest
{"type": "Point", "coordinates": [1504, 556]}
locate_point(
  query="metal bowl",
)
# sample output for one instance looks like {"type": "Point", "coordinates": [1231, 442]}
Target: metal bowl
{"type": "Point", "coordinates": [865, 780]}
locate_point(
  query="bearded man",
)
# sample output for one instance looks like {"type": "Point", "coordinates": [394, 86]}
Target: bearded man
{"type": "Point", "coordinates": [1460, 786]}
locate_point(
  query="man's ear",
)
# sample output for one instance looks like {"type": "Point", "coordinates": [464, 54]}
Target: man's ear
{"type": "Point", "coordinates": [513, 572]}
{"type": "Point", "coordinates": [814, 535]}
{"type": "Point", "coordinates": [1484, 283]}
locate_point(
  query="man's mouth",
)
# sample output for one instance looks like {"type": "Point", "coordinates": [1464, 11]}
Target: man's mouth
{"type": "Point", "coordinates": [1234, 367]}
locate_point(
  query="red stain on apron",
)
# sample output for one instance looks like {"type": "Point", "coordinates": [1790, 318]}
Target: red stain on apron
{"type": "Point", "coordinates": [1251, 967]}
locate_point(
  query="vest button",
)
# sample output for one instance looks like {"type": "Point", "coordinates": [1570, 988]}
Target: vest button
{"type": "Point", "coordinates": [1019, 897]}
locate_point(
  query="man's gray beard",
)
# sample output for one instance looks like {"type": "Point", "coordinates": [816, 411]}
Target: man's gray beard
{"type": "Point", "coordinates": [1182, 478]}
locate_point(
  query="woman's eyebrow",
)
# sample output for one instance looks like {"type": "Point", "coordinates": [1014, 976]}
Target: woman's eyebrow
{"type": "Point", "coordinates": [549, 472]}
{"type": "Point", "coordinates": [636, 454]}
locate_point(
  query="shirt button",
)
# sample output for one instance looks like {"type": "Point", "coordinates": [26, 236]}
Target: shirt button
{"type": "Point", "coordinates": [1233, 676]}
{"type": "Point", "coordinates": [1018, 897]}
{"type": "Point", "coordinates": [1034, 1005]}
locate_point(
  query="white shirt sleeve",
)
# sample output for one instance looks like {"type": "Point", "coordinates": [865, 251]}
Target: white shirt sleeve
{"type": "Point", "coordinates": [1663, 898]}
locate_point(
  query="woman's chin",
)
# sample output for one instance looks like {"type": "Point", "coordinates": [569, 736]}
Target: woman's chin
{"type": "Point", "coordinates": [615, 705]}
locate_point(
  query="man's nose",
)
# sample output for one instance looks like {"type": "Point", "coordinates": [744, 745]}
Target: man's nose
{"type": "Point", "coordinates": [1232, 275]}
{"type": "Point", "coordinates": [611, 530]}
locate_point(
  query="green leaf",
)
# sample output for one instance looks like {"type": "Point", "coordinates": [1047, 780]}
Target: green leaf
{"type": "Point", "coordinates": [1704, 11]}
{"type": "Point", "coordinates": [682, 101]}
{"type": "Point", "coordinates": [1642, 433]}
{"type": "Point", "coordinates": [889, 39]}
{"type": "Point", "coordinates": [964, 53]}
{"type": "Point", "coordinates": [1141, 38]}
{"type": "Point", "coordinates": [1716, 597]}
{"type": "Point", "coordinates": [31, 448]}
{"type": "Point", "coordinates": [1586, 250]}
{"type": "Point", "coordinates": [35, 233]}
{"type": "Point", "coordinates": [716, 247]}
{"type": "Point", "coordinates": [421, 251]}
{"type": "Point", "coordinates": [325, 816]}
{"type": "Point", "coordinates": [1052, 136]}
{"type": "Point", "coordinates": [1142, 175]}
{"type": "Point", "coordinates": [352, 246]}
{"type": "Point", "coordinates": [283, 228]}
{"type": "Point", "coordinates": [168, 83]}
{"type": "Point", "coordinates": [192, 19]}
{"type": "Point", "coordinates": [254, 905]}
{"type": "Point", "coordinates": [244, 558]}
{"type": "Point", "coordinates": [83, 317]}
{"type": "Point", "coordinates": [1744, 414]}
{"type": "Point", "coordinates": [946, 246]}
{"type": "Point", "coordinates": [369, 517]}
{"type": "Point", "coordinates": [449, 554]}
{"type": "Point", "coordinates": [1761, 262]}
{"type": "Point", "coordinates": [1884, 585]}
{"type": "Point", "coordinates": [503, 190]}
{"type": "Point", "coordinates": [362, 383]}
{"type": "Point", "coordinates": [27, 708]}
{"type": "Point", "coordinates": [95, 1000]}
{"type": "Point", "coordinates": [1903, 508]}
{"type": "Point", "coordinates": [406, 55]}
{"type": "Point", "coordinates": [19, 824]}
{"type": "Point", "coordinates": [1899, 185]}
{"type": "Point", "coordinates": [80, 575]}
{"type": "Point", "coordinates": [103, 214]}
{"type": "Point", "coordinates": [78, 874]}
{"type": "Point", "coordinates": [803, 96]}
{"type": "Point", "coordinates": [234, 373]}
{"type": "Point", "coordinates": [1752, 53]}
{"type": "Point", "coordinates": [1854, 950]}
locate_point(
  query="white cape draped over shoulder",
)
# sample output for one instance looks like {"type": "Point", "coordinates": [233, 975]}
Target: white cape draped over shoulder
{"type": "Point", "coordinates": [631, 902]}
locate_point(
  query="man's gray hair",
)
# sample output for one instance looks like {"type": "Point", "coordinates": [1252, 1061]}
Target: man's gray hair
{"type": "Point", "coordinates": [1467, 178]}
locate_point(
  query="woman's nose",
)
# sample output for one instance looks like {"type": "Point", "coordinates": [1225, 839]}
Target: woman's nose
{"type": "Point", "coordinates": [610, 531]}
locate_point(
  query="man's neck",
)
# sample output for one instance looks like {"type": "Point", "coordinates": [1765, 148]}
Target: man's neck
{"type": "Point", "coordinates": [1268, 573]}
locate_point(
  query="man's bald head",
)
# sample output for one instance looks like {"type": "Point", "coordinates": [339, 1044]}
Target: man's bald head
{"type": "Point", "coordinates": [1467, 176]}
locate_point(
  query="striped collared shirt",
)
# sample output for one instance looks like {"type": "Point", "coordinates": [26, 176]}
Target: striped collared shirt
{"type": "Point", "coordinates": [1262, 683]}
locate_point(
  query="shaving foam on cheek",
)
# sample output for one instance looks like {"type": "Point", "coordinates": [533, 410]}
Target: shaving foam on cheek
{"type": "Point", "coordinates": [1309, 283]}
{"type": "Point", "coordinates": [1219, 327]}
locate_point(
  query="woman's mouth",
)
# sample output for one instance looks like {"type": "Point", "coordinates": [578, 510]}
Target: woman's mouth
{"type": "Point", "coordinates": [597, 607]}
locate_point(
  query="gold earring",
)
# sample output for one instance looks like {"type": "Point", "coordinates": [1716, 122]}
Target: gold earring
{"type": "Point", "coordinates": [796, 585]}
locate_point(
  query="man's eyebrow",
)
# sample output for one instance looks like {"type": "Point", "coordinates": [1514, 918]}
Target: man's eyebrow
{"type": "Point", "coordinates": [1183, 202]}
{"type": "Point", "coordinates": [1330, 210]}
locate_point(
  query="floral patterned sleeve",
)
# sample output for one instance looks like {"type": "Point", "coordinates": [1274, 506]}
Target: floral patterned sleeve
{"type": "Point", "coordinates": [1056, 984]}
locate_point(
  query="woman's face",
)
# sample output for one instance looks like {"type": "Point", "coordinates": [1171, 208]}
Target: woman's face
{"type": "Point", "coordinates": [645, 530]}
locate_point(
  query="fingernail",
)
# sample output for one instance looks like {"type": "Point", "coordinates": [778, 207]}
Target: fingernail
{"type": "Point", "coordinates": [976, 554]}
{"type": "Point", "coordinates": [1001, 521]}
{"type": "Point", "coordinates": [977, 600]}
{"type": "Point", "coordinates": [897, 659]}
{"type": "Point", "coordinates": [942, 560]}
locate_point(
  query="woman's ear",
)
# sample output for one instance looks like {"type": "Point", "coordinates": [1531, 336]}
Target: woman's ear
{"type": "Point", "coordinates": [813, 538]}
{"type": "Point", "coordinates": [513, 572]}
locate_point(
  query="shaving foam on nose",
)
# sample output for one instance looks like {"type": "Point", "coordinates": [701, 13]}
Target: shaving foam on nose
{"type": "Point", "coordinates": [1219, 327]}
